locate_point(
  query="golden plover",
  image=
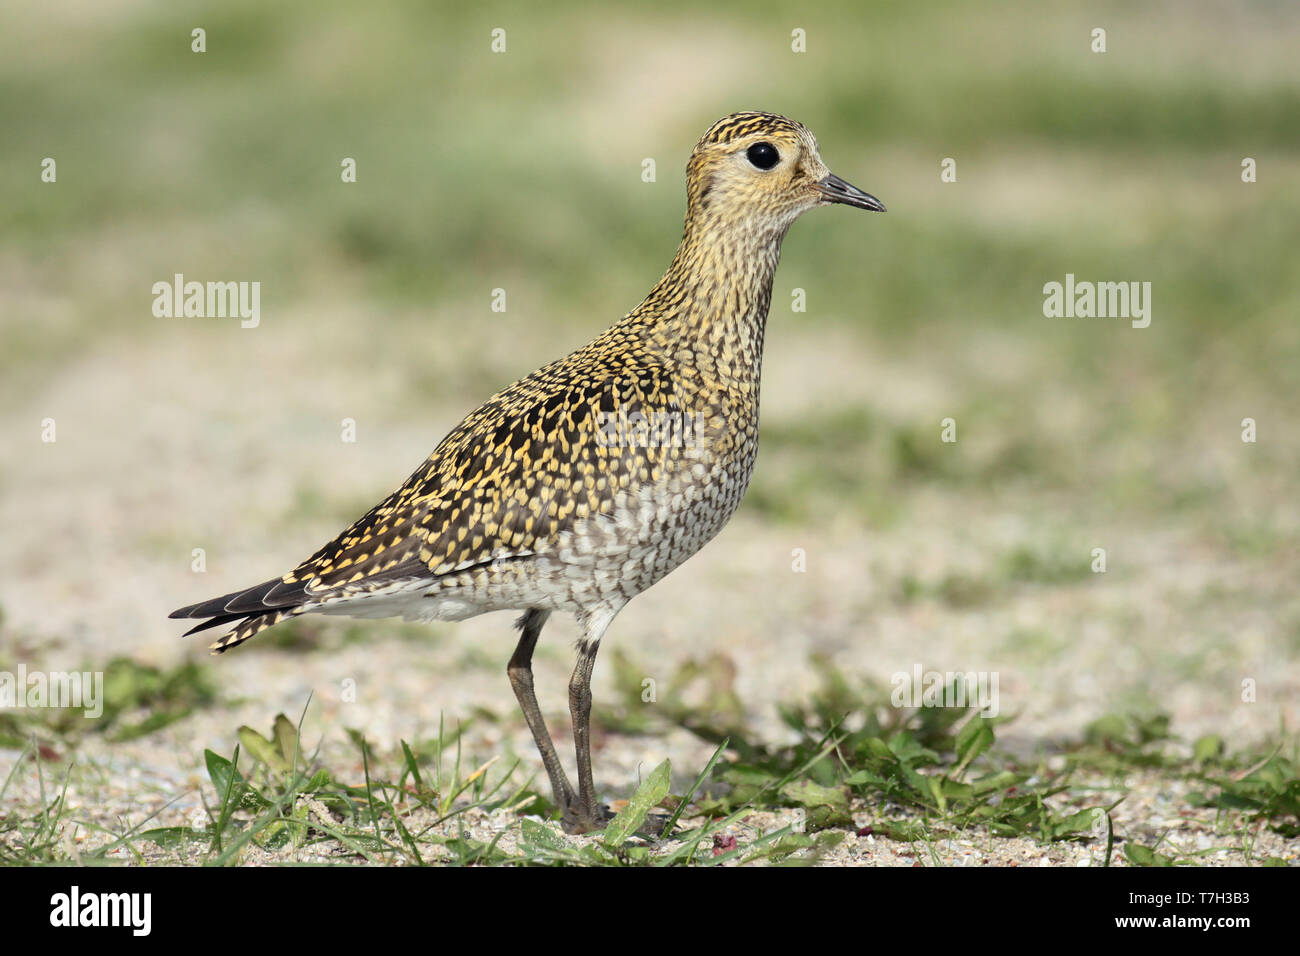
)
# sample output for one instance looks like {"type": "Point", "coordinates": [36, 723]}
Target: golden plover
{"type": "Point", "coordinates": [584, 483]}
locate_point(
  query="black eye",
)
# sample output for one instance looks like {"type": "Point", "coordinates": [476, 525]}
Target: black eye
{"type": "Point", "coordinates": [763, 155]}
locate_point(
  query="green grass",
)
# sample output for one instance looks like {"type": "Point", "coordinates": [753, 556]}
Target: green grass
{"type": "Point", "coordinates": [921, 777]}
{"type": "Point", "coordinates": [138, 699]}
{"type": "Point", "coordinates": [173, 149]}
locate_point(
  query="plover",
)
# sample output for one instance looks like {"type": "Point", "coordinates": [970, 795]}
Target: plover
{"type": "Point", "coordinates": [584, 483]}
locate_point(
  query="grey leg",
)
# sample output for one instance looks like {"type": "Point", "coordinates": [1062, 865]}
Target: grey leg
{"type": "Point", "coordinates": [587, 815]}
{"type": "Point", "coordinates": [580, 710]}
{"type": "Point", "coordinates": [520, 671]}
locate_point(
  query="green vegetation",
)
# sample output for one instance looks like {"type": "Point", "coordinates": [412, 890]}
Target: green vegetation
{"type": "Point", "coordinates": [920, 776]}
{"type": "Point", "coordinates": [137, 700]}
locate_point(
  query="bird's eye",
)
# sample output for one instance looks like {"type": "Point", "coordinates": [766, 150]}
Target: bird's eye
{"type": "Point", "coordinates": [763, 155]}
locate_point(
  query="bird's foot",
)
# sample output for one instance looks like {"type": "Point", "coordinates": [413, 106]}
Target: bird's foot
{"type": "Point", "coordinates": [576, 819]}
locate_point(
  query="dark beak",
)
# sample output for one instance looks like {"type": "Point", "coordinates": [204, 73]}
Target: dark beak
{"type": "Point", "coordinates": [835, 189]}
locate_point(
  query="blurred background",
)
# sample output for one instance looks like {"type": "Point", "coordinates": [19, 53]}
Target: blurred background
{"type": "Point", "coordinates": [523, 171]}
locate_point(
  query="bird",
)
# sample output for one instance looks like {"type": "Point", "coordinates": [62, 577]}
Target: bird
{"type": "Point", "coordinates": [584, 483]}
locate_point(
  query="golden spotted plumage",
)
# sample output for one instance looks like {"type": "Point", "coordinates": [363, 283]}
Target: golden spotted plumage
{"type": "Point", "coordinates": [584, 483]}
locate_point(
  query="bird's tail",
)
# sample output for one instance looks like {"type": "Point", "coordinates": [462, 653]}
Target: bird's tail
{"type": "Point", "coordinates": [251, 627]}
{"type": "Point", "coordinates": [251, 612]}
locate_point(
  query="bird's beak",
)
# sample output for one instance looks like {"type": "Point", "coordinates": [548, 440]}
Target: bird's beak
{"type": "Point", "coordinates": [834, 189]}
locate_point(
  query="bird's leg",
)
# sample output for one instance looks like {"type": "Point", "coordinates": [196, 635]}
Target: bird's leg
{"type": "Point", "coordinates": [520, 671]}
{"type": "Point", "coordinates": [588, 816]}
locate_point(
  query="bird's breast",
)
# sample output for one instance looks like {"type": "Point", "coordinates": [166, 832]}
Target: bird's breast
{"type": "Point", "coordinates": [698, 468]}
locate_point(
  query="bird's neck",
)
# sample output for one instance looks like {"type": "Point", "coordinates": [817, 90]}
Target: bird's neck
{"type": "Point", "coordinates": [710, 307]}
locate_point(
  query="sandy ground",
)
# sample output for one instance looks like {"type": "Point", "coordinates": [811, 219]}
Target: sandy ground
{"type": "Point", "coordinates": [160, 451]}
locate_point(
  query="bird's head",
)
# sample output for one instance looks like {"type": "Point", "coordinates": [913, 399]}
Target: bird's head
{"type": "Point", "coordinates": [762, 171]}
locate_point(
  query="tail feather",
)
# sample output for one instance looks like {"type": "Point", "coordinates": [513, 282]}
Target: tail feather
{"type": "Point", "coordinates": [250, 610]}
{"type": "Point", "coordinates": [254, 609]}
{"type": "Point", "coordinates": [252, 600]}
{"type": "Point", "coordinates": [251, 627]}
{"type": "Point", "coordinates": [215, 622]}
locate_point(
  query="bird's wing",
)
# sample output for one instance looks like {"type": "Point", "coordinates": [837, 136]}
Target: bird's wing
{"type": "Point", "coordinates": [516, 473]}
{"type": "Point", "coordinates": [512, 477]}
